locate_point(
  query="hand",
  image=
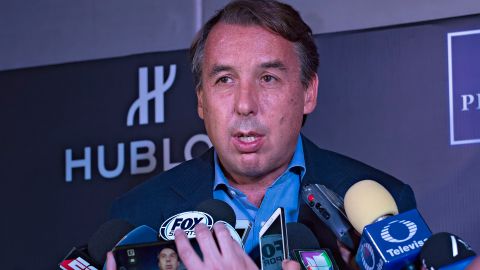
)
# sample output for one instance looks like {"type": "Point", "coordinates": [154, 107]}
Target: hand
{"type": "Point", "coordinates": [474, 265]}
{"type": "Point", "coordinates": [290, 265]}
{"type": "Point", "coordinates": [229, 256]}
{"type": "Point", "coordinates": [111, 264]}
{"type": "Point", "coordinates": [347, 256]}
{"type": "Point", "coordinates": [232, 255]}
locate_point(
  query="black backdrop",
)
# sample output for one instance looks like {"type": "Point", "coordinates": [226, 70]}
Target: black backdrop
{"type": "Point", "coordinates": [383, 98]}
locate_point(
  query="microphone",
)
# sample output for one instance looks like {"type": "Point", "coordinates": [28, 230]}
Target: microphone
{"type": "Point", "coordinates": [389, 240]}
{"type": "Point", "coordinates": [139, 235]}
{"type": "Point", "coordinates": [329, 208]}
{"type": "Point", "coordinates": [301, 237]}
{"type": "Point", "coordinates": [93, 255]}
{"type": "Point", "coordinates": [78, 258]}
{"type": "Point", "coordinates": [204, 213]}
{"type": "Point", "coordinates": [305, 249]}
{"type": "Point", "coordinates": [219, 210]}
{"type": "Point", "coordinates": [222, 212]}
{"type": "Point", "coordinates": [446, 251]}
{"type": "Point", "coordinates": [135, 250]}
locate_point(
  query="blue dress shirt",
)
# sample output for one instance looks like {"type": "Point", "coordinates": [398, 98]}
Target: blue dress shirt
{"type": "Point", "coordinates": [282, 193]}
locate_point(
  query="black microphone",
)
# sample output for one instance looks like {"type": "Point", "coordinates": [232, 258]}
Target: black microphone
{"type": "Point", "coordinates": [301, 237]}
{"type": "Point", "coordinates": [329, 208]}
{"type": "Point", "coordinates": [206, 212]}
{"type": "Point", "coordinates": [78, 258]}
{"type": "Point", "coordinates": [93, 255]}
{"type": "Point", "coordinates": [446, 251]}
{"type": "Point", "coordinates": [219, 210]}
{"type": "Point", "coordinates": [305, 249]}
{"type": "Point", "coordinates": [222, 212]}
{"type": "Point", "coordinates": [136, 249]}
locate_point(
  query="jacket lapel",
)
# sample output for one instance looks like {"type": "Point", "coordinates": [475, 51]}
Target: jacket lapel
{"type": "Point", "coordinates": [188, 193]}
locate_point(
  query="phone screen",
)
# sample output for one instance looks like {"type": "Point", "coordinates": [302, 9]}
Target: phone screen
{"type": "Point", "coordinates": [273, 247]}
{"type": "Point", "coordinates": [153, 256]}
{"type": "Point", "coordinates": [243, 228]}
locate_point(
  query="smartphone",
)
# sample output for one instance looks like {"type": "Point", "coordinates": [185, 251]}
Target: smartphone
{"type": "Point", "coordinates": [243, 227]}
{"type": "Point", "coordinates": [149, 256]}
{"type": "Point", "coordinates": [273, 241]}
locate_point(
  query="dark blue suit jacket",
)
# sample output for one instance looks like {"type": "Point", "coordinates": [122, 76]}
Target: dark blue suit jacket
{"type": "Point", "coordinates": [190, 183]}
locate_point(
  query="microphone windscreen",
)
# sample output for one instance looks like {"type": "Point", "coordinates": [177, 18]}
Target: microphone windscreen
{"type": "Point", "coordinates": [443, 249]}
{"type": "Point", "coordinates": [366, 201]}
{"type": "Point", "coordinates": [106, 237]}
{"type": "Point", "coordinates": [219, 210]}
{"type": "Point", "coordinates": [301, 237]}
{"type": "Point", "coordinates": [139, 235]}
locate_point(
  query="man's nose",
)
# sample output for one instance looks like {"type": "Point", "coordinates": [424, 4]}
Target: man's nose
{"type": "Point", "coordinates": [246, 99]}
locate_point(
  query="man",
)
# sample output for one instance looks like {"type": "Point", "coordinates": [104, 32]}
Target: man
{"type": "Point", "coordinates": [255, 68]}
{"type": "Point", "coordinates": [168, 259]}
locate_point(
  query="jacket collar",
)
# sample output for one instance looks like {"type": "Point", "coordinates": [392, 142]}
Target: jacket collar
{"type": "Point", "coordinates": [194, 192]}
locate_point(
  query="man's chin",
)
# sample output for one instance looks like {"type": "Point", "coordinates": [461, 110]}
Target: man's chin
{"type": "Point", "coordinates": [247, 168]}
{"type": "Point", "coordinates": [254, 172]}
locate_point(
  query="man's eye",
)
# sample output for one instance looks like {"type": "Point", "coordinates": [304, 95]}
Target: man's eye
{"type": "Point", "coordinates": [224, 79]}
{"type": "Point", "coordinates": [268, 78]}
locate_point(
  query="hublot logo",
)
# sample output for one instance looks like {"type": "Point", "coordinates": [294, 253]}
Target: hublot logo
{"type": "Point", "coordinates": [157, 94]}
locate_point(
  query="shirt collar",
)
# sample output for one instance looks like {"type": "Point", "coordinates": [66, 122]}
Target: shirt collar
{"type": "Point", "coordinates": [298, 161]}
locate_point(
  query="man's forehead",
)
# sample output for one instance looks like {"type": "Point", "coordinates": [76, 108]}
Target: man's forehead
{"type": "Point", "coordinates": [230, 44]}
{"type": "Point", "coordinates": [167, 251]}
{"type": "Point", "coordinates": [223, 33]}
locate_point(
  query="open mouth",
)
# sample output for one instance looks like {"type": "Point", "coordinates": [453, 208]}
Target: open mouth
{"type": "Point", "coordinates": [247, 138]}
{"type": "Point", "coordinates": [247, 142]}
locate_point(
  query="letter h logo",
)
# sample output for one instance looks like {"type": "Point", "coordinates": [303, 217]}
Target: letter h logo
{"type": "Point", "coordinates": [157, 94]}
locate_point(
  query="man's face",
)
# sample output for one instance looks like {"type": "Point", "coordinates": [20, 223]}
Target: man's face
{"type": "Point", "coordinates": [167, 259]}
{"type": "Point", "coordinates": [252, 100]}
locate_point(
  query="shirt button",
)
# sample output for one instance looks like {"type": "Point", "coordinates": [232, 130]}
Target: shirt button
{"type": "Point", "coordinates": [233, 193]}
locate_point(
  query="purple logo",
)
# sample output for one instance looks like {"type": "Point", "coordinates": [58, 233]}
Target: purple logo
{"type": "Point", "coordinates": [316, 260]}
{"type": "Point", "coordinates": [464, 86]}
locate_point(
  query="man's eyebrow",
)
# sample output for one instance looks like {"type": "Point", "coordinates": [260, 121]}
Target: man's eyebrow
{"type": "Point", "coordinates": [277, 64]}
{"type": "Point", "coordinates": [219, 68]}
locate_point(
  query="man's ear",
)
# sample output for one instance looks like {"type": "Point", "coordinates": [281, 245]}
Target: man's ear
{"type": "Point", "coordinates": [311, 93]}
{"type": "Point", "coordinates": [200, 102]}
